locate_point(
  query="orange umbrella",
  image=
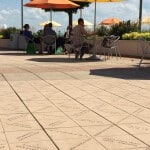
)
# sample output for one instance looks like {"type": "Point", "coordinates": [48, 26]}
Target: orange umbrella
{"type": "Point", "coordinates": [52, 4]}
{"type": "Point", "coordinates": [110, 21]}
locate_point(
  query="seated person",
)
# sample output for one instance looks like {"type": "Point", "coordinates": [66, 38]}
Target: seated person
{"type": "Point", "coordinates": [78, 34]}
{"type": "Point", "coordinates": [29, 37]}
{"type": "Point", "coordinates": [68, 34]}
{"type": "Point", "coordinates": [28, 34]}
{"type": "Point", "coordinates": [49, 31]}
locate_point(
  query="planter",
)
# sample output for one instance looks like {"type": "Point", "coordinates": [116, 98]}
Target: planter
{"type": "Point", "coordinates": [129, 48]}
{"type": "Point", "coordinates": [5, 43]}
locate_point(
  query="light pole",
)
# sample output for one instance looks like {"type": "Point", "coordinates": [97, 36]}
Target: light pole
{"type": "Point", "coordinates": [140, 15]}
{"type": "Point", "coordinates": [21, 14]}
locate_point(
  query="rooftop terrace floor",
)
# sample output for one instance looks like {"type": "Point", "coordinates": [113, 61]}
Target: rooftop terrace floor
{"type": "Point", "coordinates": [48, 102]}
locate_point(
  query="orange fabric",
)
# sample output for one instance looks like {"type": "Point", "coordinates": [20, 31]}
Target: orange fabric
{"type": "Point", "coordinates": [97, 0]}
{"type": "Point", "coordinates": [56, 4]}
{"type": "Point", "coordinates": [110, 21]}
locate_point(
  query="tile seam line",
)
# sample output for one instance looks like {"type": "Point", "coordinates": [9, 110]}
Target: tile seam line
{"type": "Point", "coordinates": [31, 113]}
{"type": "Point", "coordinates": [90, 109]}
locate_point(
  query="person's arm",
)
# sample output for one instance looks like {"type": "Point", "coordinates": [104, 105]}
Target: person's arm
{"type": "Point", "coordinates": [85, 33]}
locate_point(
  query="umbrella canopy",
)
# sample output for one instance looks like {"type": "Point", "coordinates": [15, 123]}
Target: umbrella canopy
{"type": "Point", "coordinates": [52, 4]}
{"type": "Point", "coordinates": [55, 24]}
{"type": "Point", "coordinates": [95, 6]}
{"type": "Point", "coordinates": [96, 0]}
{"type": "Point", "coordinates": [146, 20]}
{"type": "Point", "coordinates": [110, 21]}
{"type": "Point", "coordinates": [86, 23]}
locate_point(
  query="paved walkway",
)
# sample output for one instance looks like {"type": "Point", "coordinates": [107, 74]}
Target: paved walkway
{"type": "Point", "coordinates": [50, 103]}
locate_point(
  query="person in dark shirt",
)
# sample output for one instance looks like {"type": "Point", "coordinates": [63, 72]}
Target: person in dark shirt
{"type": "Point", "coordinates": [28, 34]}
{"type": "Point", "coordinates": [31, 39]}
{"type": "Point", "coordinates": [49, 30]}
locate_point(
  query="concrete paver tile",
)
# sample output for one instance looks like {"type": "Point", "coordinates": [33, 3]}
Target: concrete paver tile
{"type": "Point", "coordinates": [88, 118]}
{"type": "Point", "coordinates": [31, 96]}
{"type": "Point", "coordinates": [39, 145]}
{"type": "Point", "coordinates": [115, 138]}
{"type": "Point", "coordinates": [68, 138]}
{"type": "Point", "coordinates": [26, 136]}
{"type": "Point", "coordinates": [136, 128]}
{"type": "Point", "coordinates": [55, 120]}
{"type": "Point", "coordinates": [54, 76]}
{"type": "Point", "coordinates": [42, 108]}
{"type": "Point", "coordinates": [131, 120]}
{"type": "Point", "coordinates": [56, 95]}
{"type": "Point", "coordinates": [18, 122]}
{"type": "Point", "coordinates": [1, 128]}
{"type": "Point", "coordinates": [3, 142]}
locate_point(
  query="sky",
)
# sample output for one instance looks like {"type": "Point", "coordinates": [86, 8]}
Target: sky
{"type": "Point", "coordinates": [10, 13]}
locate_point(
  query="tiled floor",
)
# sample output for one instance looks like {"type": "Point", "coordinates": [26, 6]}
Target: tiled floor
{"type": "Point", "coordinates": [53, 103]}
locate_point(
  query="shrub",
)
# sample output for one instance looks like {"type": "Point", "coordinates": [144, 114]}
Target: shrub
{"type": "Point", "coordinates": [118, 29]}
{"type": "Point", "coordinates": [136, 35]}
{"type": "Point", "coordinates": [102, 31]}
{"type": "Point", "coordinates": [122, 28]}
{"type": "Point", "coordinates": [6, 32]}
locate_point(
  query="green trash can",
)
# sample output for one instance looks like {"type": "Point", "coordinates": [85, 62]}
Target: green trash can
{"type": "Point", "coordinates": [31, 48]}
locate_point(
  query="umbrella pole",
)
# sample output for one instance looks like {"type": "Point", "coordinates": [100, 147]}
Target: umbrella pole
{"type": "Point", "coordinates": [81, 13]}
{"type": "Point", "coordinates": [21, 14]}
{"type": "Point", "coordinates": [95, 16]}
{"type": "Point", "coordinates": [51, 15]}
{"type": "Point", "coordinates": [140, 15]}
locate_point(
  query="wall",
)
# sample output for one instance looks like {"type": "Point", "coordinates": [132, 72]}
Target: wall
{"type": "Point", "coordinates": [5, 43]}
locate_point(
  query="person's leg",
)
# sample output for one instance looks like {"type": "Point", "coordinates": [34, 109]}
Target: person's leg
{"type": "Point", "coordinates": [82, 50]}
{"type": "Point", "coordinates": [82, 53]}
{"type": "Point", "coordinates": [49, 50]}
{"type": "Point", "coordinates": [77, 53]}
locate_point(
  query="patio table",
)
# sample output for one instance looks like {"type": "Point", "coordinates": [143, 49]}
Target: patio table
{"type": "Point", "coordinates": [95, 41]}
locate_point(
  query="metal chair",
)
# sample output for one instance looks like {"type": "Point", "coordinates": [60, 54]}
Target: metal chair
{"type": "Point", "coordinates": [145, 49]}
{"type": "Point", "coordinates": [69, 48]}
{"type": "Point", "coordinates": [50, 42]}
{"type": "Point", "coordinates": [110, 45]}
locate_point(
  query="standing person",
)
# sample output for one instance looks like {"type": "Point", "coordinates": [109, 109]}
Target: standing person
{"type": "Point", "coordinates": [78, 34]}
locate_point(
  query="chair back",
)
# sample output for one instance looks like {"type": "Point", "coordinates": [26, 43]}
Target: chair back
{"type": "Point", "coordinates": [110, 41]}
{"type": "Point", "coordinates": [143, 46]}
{"type": "Point", "coordinates": [49, 39]}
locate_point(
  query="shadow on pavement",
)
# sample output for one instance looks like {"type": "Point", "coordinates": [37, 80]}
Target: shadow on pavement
{"type": "Point", "coordinates": [142, 73]}
{"type": "Point", "coordinates": [62, 60]}
{"type": "Point", "coordinates": [17, 53]}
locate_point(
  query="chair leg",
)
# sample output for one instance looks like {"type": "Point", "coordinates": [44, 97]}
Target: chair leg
{"type": "Point", "coordinates": [141, 61]}
{"type": "Point", "coordinates": [119, 53]}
